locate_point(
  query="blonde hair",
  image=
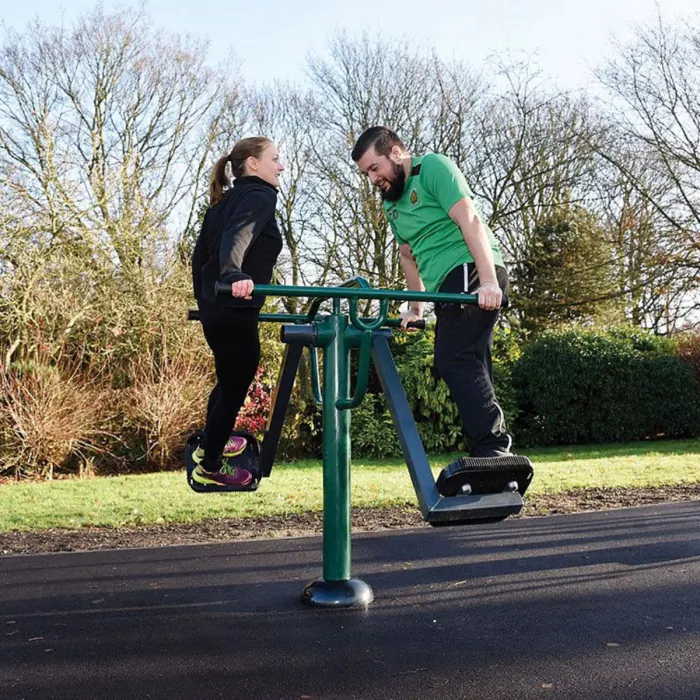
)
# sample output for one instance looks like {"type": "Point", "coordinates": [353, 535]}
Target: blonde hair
{"type": "Point", "coordinates": [244, 149]}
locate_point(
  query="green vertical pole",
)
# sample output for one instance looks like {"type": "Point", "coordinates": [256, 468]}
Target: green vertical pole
{"type": "Point", "coordinates": [336, 589]}
{"type": "Point", "coordinates": [336, 457]}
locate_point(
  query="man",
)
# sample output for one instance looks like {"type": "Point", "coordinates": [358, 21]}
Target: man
{"type": "Point", "coordinates": [445, 247]}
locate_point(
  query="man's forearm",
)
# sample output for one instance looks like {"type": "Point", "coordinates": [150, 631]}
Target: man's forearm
{"type": "Point", "coordinates": [413, 281]}
{"type": "Point", "coordinates": [480, 248]}
{"type": "Point", "coordinates": [464, 214]}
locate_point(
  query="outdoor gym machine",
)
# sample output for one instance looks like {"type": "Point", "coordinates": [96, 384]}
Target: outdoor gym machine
{"type": "Point", "coordinates": [470, 490]}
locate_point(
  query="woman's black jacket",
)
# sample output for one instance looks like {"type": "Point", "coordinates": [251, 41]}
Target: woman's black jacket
{"type": "Point", "coordinates": [239, 240]}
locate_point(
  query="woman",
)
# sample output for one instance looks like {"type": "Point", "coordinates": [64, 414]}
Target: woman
{"type": "Point", "coordinates": [239, 243]}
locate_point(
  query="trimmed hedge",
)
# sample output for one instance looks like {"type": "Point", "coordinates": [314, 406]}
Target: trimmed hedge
{"type": "Point", "coordinates": [564, 387]}
{"type": "Point", "coordinates": [581, 386]}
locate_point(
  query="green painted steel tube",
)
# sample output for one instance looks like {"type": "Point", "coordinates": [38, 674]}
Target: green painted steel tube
{"type": "Point", "coordinates": [336, 452]}
{"type": "Point", "coordinates": [356, 281]}
{"type": "Point", "coordinates": [372, 324]}
{"type": "Point", "coordinates": [362, 373]}
{"type": "Point", "coordinates": [363, 321]}
{"type": "Point", "coordinates": [356, 293]}
{"type": "Point", "coordinates": [315, 377]}
{"type": "Point", "coordinates": [284, 318]}
{"type": "Point", "coordinates": [193, 315]}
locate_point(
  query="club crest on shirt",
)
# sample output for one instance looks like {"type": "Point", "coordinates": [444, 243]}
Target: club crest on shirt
{"type": "Point", "coordinates": [413, 196]}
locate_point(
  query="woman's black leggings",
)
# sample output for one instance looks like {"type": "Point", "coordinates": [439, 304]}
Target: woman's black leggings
{"type": "Point", "coordinates": [232, 335]}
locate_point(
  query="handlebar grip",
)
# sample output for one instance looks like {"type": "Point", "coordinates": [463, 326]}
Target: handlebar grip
{"type": "Point", "coordinates": [419, 325]}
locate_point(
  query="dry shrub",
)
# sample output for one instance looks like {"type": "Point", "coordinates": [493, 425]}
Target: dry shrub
{"type": "Point", "coordinates": [167, 399]}
{"type": "Point", "coordinates": [49, 420]}
{"type": "Point", "coordinates": [688, 349]}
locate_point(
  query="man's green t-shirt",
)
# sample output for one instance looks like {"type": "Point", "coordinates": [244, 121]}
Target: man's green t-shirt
{"type": "Point", "coordinates": [420, 218]}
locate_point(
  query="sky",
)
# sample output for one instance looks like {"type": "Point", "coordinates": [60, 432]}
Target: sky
{"type": "Point", "coordinates": [273, 38]}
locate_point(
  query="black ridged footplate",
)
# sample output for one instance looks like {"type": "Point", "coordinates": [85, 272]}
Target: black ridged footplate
{"type": "Point", "coordinates": [485, 475]}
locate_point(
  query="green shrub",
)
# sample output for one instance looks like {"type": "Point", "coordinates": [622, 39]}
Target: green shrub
{"type": "Point", "coordinates": [670, 397]}
{"type": "Point", "coordinates": [577, 386]}
{"type": "Point", "coordinates": [302, 434]}
{"type": "Point", "coordinates": [436, 415]}
{"type": "Point", "coordinates": [372, 431]}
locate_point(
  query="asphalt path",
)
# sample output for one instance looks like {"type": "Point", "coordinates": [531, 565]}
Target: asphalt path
{"type": "Point", "coordinates": [594, 605]}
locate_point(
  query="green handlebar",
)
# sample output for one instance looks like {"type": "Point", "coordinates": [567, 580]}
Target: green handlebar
{"type": "Point", "coordinates": [357, 293]}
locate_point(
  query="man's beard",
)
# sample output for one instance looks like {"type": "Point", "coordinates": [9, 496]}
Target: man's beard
{"type": "Point", "coordinates": [396, 185]}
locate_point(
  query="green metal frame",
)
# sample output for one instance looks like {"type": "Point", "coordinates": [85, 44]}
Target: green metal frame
{"type": "Point", "coordinates": [337, 334]}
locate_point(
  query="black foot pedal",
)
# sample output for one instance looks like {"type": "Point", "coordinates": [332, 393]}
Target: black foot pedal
{"type": "Point", "coordinates": [484, 475]}
{"type": "Point", "coordinates": [249, 459]}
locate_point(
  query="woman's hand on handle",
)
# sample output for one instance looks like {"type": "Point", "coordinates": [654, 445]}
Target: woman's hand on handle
{"type": "Point", "coordinates": [242, 289]}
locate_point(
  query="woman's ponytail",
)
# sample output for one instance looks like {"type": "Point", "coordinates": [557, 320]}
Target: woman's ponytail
{"type": "Point", "coordinates": [244, 149]}
{"type": "Point", "coordinates": [219, 181]}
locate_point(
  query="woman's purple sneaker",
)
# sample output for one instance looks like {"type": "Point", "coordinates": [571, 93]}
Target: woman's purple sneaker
{"type": "Point", "coordinates": [226, 476]}
{"type": "Point", "coordinates": [235, 446]}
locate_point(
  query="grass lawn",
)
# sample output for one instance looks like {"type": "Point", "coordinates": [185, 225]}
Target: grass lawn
{"type": "Point", "coordinates": [297, 487]}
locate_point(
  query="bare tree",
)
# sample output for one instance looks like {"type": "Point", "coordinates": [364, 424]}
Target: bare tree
{"type": "Point", "coordinates": [527, 159]}
{"type": "Point", "coordinates": [288, 115]}
{"type": "Point", "coordinates": [518, 143]}
{"type": "Point", "coordinates": [107, 125]}
{"type": "Point", "coordinates": [363, 83]}
{"type": "Point", "coordinates": [655, 85]}
{"type": "Point", "coordinates": [521, 146]}
{"type": "Point", "coordinates": [105, 131]}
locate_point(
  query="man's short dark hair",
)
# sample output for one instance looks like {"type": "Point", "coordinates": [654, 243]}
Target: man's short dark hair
{"type": "Point", "coordinates": [381, 138]}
